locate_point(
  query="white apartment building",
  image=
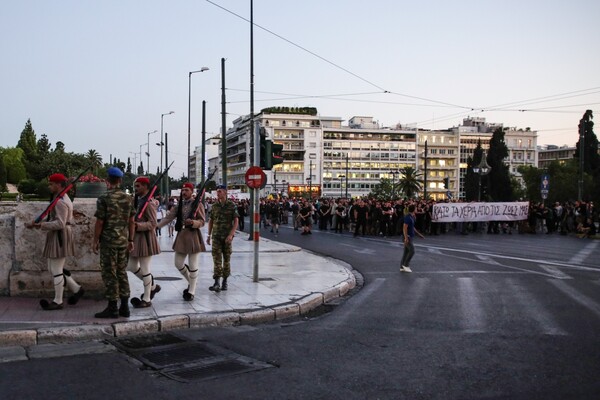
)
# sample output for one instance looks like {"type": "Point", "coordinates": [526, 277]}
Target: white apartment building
{"type": "Point", "coordinates": [442, 160]}
{"type": "Point", "coordinates": [326, 158]}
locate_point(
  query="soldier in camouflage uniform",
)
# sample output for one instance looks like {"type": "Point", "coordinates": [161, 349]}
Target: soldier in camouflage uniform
{"type": "Point", "coordinates": [221, 227]}
{"type": "Point", "coordinates": [113, 233]}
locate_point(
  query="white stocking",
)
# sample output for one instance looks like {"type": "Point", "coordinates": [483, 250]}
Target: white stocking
{"type": "Point", "coordinates": [179, 264]}
{"type": "Point", "coordinates": [55, 266]}
{"type": "Point", "coordinates": [193, 271]}
{"type": "Point", "coordinates": [140, 267]}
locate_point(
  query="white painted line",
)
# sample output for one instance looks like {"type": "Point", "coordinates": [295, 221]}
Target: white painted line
{"type": "Point", "coordinates": [351, 306]}
{"type": "Point", "coordinates": [470, 272]}
{"type": "Point", "coordinates": [534, 310]}
{"type": "Point", "coordinates": [555, 271]}
{"type": "Point", "coordinates": [578, 297]}
{"type": "Point", "coordinates": [505, 266]}
{"type": "Point", "coordinates": [433, 250]}
{"type": "Point", "coordinates": [557, 264]}
{"type": "Point", "coordinates": [584, 253]}
{"type": "Point", "coordinates": [473, 319]}
{"type": "Point", "coordinates": [487, 259]}
{"type": "Point", "coordinates": [413, 298]}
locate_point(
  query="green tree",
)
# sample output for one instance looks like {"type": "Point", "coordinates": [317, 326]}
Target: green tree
{"type": "Point", "coordinates": [43, 146]}
{"type": "Point", "coordinates": [410, 182]}
{"type": "Point", "coordinates": [128, 165]}
{"type": "Point", "coordinates": [14, 163]}
{"type": "Point", "coordinates": [28, 143]}
{"type": "Point", "coordinates": [591, 158]}
{"type": "Point", "coordinates": [140, 168]}
{"type": "Point", "coordinates": [94, 159]}
{"type": "Point", "coordinates": [383, 190]}
{"type": "Point", "coordinates": [500, 188]}
{"type": "Point", "coordinates": [2, 175]}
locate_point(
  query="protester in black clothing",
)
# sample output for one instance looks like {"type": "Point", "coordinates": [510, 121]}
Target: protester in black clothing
{"type": "Point", "coordinates": [340, 213]}
{"type": "Point", "coordinates": [361, 215]}
{"type": "Point", "coordinates": [324, 213]}
{"type": "Point", "coordinates": [305, 216]}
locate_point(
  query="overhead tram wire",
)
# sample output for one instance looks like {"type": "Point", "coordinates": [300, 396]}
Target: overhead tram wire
{"type": "Point", "coordinates": [335, 97]}
{"type": "Point", "coordinates": [478, 110]}
{"type": "Point", "coordinates": [331, 62]}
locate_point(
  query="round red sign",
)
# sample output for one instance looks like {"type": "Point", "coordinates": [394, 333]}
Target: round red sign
{"type": "Point", "coordinates": [255, 178]}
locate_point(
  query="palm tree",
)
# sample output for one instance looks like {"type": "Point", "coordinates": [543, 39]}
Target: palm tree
{"type": "Point", "coordinates": [410, 183]}
{"type": "Point", "coordinates": [95, 159]}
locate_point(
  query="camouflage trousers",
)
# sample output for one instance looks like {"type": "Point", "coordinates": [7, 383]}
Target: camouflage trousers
{"type": "Point", "coordinates": [221, 253]}
{"type": "Point", "coordinates": [113, 266]}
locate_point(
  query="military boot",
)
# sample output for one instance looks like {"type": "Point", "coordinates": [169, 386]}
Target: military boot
{"type": "Point", "coordinates": [224, 284]}
{"type": "Point", "coordinates": [111, 311]}
{"type": "Point", "coordinates": [124, 309]}
{"type": "Point", "coordinates": [216, 287]}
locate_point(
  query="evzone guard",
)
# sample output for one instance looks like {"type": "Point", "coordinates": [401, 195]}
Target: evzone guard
{"type": "Point", "coordinates": [59, 243]}
{"type": "Point", "coordinates": [145, 243]}
{"type": "Point", "coordinates": [188, 243]}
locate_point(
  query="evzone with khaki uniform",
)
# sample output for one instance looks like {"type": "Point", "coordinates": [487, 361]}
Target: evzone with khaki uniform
{"type": "Point", "coordinates": [188, 242]}
{"type": "Point", "coordinates": [145, 243]}
{"type": "Point", "coordinates": [59, 245]}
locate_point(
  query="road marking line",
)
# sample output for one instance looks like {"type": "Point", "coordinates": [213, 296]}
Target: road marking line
{"type": "Point", "coordinates": [473, 319]}
{"type": "Point", "coordinates": [583, 253]}
{"type": "Point", "coordinates": [504, 266]}
{"type": "Point", "coordinates": [534, 310]}
{"type": "Point", "coordinates": [433, 251]}
{"type": "Point", "coordinates": [470, 272]}
{"type": "Point", "coordinates": [414, 297]}
{"type": "Point", "coordinates": [557, 264]}
{"type": "Point", "coordinates": [351, 306]}
{"type": "Point", "coordinates": [487, 259]}
{"type": "Point", "coordinates": [578, 297]}
{"type": "Point", "coordinates": [554, 271]}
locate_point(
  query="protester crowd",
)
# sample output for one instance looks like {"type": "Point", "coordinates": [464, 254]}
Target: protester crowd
{"type": "Point", "coordinates": [384, 218]}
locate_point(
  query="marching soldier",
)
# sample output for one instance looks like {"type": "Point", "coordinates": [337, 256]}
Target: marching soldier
{"type": "Point", "coordinates": [145, 244]}
{"type": "Point", "coordinates": [188, 242]}
{"type": "Point", "coordinates": [59, 245]}
{"type": "Point", "coordinates": [221, 227]}
{"type": "Point", "coordinates": [113, 234]}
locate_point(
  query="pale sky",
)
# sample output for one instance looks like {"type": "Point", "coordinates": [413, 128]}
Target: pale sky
{"type": "Point", "coordinates": [99, 74]}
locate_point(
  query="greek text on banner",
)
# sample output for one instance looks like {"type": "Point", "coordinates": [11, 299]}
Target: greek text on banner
{"type": "Point", "coordinates": [467, 212]}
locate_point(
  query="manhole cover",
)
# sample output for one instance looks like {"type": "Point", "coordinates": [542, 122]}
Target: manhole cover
{"type": "Point", "coordinates": [167, 278]}
{"type": "Point", "coordinates": [142, 342]}
{"type": "Point", "coordinates": [215, 370]}
{"type": "Point", "coordinates": [265, 279]}
{"type": "Point", "coordinates": [176, 355]}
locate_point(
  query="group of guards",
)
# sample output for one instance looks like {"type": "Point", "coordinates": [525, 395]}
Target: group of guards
{"type": "Point", "coordinates": [125, 237]}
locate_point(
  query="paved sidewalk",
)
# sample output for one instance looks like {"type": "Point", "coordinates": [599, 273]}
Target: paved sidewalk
{"type": "Point", "coordinates": [291, 282]}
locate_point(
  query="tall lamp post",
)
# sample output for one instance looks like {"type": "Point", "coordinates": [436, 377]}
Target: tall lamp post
{"type": "Point", "coordinates": [148, 153]}
{"type": "Point", "coordinates": [189, 114]}
{"type": "Point", "coordinates": [482, 169]}
{"type": "Point", "coordinates": [341, 178]}
{"type": "Point", "coordinates": [393, 173]}
{"type": "Point", "coordinates": [162, 141]}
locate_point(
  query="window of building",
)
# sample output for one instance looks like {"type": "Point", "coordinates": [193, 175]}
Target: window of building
{"type": "Point", "coordinates": [432, 151]}
{"type": "Point", "coordinates": [442, 151]}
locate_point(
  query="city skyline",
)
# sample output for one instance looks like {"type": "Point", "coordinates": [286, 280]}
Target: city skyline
{"type": "Point", "coordinates": [99, 76]}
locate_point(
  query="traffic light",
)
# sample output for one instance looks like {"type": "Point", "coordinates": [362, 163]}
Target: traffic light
{"type": "Point", "coordinates": [277, 154]}
{"type": "Point", "coordinates": [447, 182]}
{"type": "Point", "coordinates": [264, 155]}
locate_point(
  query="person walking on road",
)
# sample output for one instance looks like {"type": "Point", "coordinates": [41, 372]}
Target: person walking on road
{"type": "Point", "coordinates": [188, 242]}
{"type": "Point", "coordinates": [145, 243]}
{"type": "Point", "coordinates": [113, 234]}
{"type": "Point", "coordinates": [59, 245]}
{"type": "Point", "coordinates": [409, 231]}
{"type": "Point", "coordinates": [221, 228]}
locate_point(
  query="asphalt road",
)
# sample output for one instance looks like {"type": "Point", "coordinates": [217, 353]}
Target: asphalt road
{"type": "Point", "coordinates": [481, 317]}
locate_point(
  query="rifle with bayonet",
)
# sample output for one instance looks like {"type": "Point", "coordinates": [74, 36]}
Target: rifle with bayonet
{"type": "Point", "coordinates": [200, 196]}
{"type": "Point", "coordinates": [151, 193]}
{"type": "Point", "coordinates": [56, 199]}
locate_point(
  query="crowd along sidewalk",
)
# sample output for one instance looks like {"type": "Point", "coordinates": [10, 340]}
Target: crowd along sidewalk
{"type": "Point", "coordinates": [291, 282]}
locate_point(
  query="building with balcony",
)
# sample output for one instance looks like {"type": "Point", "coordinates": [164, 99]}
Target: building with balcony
{"type": "Point", "coordinates": [551, 153]}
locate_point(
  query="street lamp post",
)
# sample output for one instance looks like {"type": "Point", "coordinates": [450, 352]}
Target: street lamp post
{"type": "Point", "coordinates": [393, 173]}
{"type": "Point", "coordinates": [341, 178]}
{"type": "Point", "coordinates": [162, 141]}
{"type": "Point", "coordinates": [148, 152]}
{"type": "Point", "coordinates": [482, 169]}
{"type": "Point", "coordinates": [190, 112]}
